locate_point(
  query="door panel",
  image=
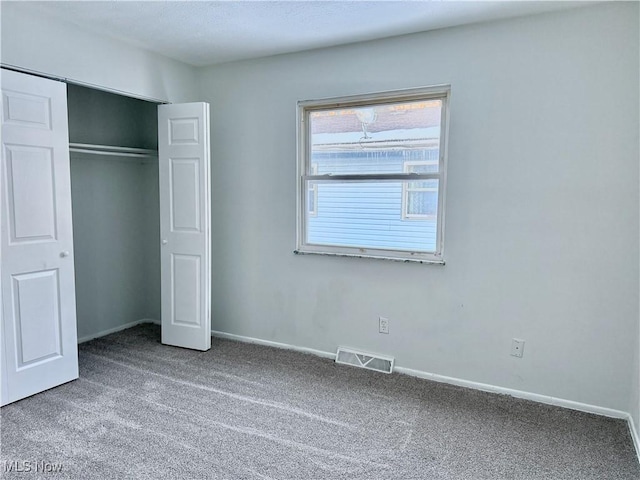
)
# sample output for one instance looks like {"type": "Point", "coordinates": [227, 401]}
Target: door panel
{"type": "Point", "coordinates": [184, 131]}
{"type": "Point", "coordinates": [32, 217]}
{"type": "Point", "coordinates": [183, 148]}
{"type": "Point", "coordinates": [37, 316]}
{"type": "Point", "coordinates": [185, 195]}
{"type": "Point", "coordinates": [186, 290]}
{"type": "Point", "coordinates": [39, 344]}
{"type": "Point", "coordinates": [26, 109]}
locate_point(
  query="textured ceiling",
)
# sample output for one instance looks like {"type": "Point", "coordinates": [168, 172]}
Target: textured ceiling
{"type": "Point", "coordinates": [208, 32]}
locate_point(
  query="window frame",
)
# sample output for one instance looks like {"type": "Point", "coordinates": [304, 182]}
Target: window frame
{"type": "Point", "coordinates": [304, 173]}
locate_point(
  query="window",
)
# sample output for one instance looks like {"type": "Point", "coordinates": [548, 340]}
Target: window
{"type": "Point", "coordinates": [371, 175]}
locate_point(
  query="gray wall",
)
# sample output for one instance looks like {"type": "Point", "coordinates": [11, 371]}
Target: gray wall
{"type": "Point", "coordinates": [542, 206]}
{"type": "Point", "coordinates": [108, 119]}
{"type": "Point", "coordinates": [115, 242]}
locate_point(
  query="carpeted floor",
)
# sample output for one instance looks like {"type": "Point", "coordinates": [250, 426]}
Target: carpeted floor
{"type": "Point", "coordinates": [239, 411]}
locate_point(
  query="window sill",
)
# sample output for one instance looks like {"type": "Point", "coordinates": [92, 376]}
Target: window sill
{"type": "Point", "coordinates": [375, 257]}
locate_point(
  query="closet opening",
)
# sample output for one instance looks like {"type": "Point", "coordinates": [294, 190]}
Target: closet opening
{"type": "Point", "coordinates": [113, 142]}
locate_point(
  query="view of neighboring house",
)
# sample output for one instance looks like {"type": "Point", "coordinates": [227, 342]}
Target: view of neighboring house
{"type": "Point", "coordinates": [389, 138]}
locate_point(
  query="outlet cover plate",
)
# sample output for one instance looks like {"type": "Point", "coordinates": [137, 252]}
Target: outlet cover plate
{"type": "Point", "coordinates": [517, 347]}
{"type": "Point", "coordinates": [383, 324]}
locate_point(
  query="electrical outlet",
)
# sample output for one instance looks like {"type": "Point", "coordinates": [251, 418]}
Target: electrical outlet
{"type": "Point", "coordinates": [517, 347]}
{"type": "Point", "coordinates": [383, 324]}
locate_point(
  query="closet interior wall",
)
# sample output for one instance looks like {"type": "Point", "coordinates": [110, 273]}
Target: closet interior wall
{"type": "Point", "coordinates": [115, 200]}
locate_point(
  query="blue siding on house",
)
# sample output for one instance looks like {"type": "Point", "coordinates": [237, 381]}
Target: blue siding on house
{"type": "Point", "coordinates": [367, 214]}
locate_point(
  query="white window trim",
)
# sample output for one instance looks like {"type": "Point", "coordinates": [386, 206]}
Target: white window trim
{"type": "Point", "coordinates": [304, 173]}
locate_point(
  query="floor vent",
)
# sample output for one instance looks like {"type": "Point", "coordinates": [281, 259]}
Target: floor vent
{"type": "Point", "coordinates": [371, 361]}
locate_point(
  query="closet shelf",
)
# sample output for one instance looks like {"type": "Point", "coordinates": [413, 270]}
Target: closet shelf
{"type": "Point", "coordinates": [112, 150]}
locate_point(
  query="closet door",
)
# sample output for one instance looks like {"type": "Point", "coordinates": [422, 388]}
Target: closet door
{"type": "Point", "coordinates": [183, 151]}
{"type": "Point", "coordinates": [39, 347]}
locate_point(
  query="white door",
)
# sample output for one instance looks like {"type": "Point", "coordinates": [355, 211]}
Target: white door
{"type": "Point", "coordinates": [39, 345]}
{"type": "Point", "coordinates": [183, 150]}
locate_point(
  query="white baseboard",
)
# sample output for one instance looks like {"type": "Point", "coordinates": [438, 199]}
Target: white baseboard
{"type": "Point", "coordinates": [535, 397]}
{"type": "Point", "coordinates": [583, 407]}
{"type": "Point", "coordinates": [634, 435]}
{"type": "Point", "coordinates": [546, 399]}
{"type": "Point", "coordinates": [269, 343]}
{"type": "Point", "coordinates": [109, 331]}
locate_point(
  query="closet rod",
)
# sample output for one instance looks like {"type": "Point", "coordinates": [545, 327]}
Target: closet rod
{"type": "Point", "coordinates": [114, 154]}
{"type": "Point", "coordinates": [112, 150]}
